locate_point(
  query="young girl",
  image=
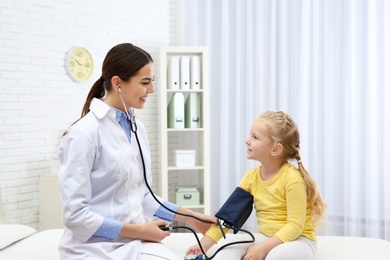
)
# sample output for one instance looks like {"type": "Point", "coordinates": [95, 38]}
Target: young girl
{"type": "Point", "coordinates": [108, 211]}
{"type": "Point", "coordinates": [287, 202]}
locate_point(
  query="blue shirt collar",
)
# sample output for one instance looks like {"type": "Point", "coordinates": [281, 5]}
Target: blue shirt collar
{"type": "Point", "coordinates": [119, 115]}
{"type": "Point", "coordinates": [121, 119]}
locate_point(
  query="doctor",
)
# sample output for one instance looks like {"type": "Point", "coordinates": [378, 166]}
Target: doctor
{"type": "Point", "coordinates": [108, 211]}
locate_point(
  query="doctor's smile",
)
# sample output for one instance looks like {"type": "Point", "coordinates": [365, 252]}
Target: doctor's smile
{"type": "Point", "coordinates": [108, 206]}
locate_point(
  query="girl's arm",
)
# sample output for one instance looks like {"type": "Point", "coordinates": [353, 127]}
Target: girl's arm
{"type": "Point", "coordinates": [198, 225]}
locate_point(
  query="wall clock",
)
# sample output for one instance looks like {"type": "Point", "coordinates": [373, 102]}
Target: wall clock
{"type": "Point", "coordinates": [79, 64]}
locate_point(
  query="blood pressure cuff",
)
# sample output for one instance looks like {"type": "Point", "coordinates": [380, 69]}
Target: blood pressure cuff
{"type": "Point", "coordinates": [236, 209]}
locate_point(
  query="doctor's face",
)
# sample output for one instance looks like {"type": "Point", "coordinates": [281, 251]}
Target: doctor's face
{"type": "Point", "coordinates": [136, 90]}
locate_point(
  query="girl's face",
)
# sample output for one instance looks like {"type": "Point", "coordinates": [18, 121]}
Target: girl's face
{"type": "Point", "coordinates": [259, 143]}
{"type": "Point", "coordinates": [135, 91]}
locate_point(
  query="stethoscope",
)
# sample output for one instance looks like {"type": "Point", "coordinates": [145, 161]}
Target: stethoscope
{"type": "Point", "coordinates": [133, 128]}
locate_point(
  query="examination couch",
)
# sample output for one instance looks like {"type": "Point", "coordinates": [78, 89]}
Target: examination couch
{"type": "Point", "coordinates": [30, 245]}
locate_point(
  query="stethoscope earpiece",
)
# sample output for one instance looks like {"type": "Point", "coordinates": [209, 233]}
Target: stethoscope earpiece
{"type": "Point", "coordinates": [130, 118]}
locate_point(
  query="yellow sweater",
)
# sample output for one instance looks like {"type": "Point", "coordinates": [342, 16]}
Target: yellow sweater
{"type": "Point", "coordinates": [280, 204]}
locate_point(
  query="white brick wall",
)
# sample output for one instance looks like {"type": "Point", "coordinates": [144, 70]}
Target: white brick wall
{"type": "Point", "coordinates": [38, 100]}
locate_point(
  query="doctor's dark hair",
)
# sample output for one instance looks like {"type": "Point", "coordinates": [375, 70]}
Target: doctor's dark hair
{"type": "Point", "coordinates": [123, 60]}
{"type": "Point", "coordinates": [283, 130]}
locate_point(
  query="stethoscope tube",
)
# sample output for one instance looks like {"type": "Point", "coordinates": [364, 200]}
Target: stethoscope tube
{"type": "Point", "coordinates": [134, 128]}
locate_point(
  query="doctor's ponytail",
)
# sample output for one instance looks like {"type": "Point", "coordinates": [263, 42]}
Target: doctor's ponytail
{"type": "Point", "coordinates": [124, 61]}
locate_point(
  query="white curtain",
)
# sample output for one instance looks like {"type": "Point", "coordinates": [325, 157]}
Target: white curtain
{"type": "Point", "coordinates": [326, 63]}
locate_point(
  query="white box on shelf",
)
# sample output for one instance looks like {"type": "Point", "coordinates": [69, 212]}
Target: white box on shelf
{"type": "Point", "coordinates": [187, 196]}
{"type": "Point", "coordinates": [184, 158]}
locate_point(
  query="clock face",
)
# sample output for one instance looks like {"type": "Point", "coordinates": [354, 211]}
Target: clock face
{"type": "Point", "coordinates": [79, 64]}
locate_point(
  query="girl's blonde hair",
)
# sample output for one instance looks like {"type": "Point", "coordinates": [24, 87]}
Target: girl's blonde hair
{"type": "Point", "coordinates": [283, 130]}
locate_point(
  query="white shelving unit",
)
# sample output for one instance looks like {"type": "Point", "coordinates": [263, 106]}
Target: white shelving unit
{"type": "Point", "coordinates": [194, 139]}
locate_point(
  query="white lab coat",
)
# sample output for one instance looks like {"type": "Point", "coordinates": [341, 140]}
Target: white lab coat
{"type": "Point", "coordinates": [101, 176]}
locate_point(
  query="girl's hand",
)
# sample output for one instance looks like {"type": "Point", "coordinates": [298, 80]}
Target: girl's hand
{"type": "Point", "coordinates": [206, 243]}
{"type": "Point", "coordinates": [259, 252]}
{"type": "Point", "coordinates": [194, 250]}
{"type": "Point", "coordinates": [254, 253]}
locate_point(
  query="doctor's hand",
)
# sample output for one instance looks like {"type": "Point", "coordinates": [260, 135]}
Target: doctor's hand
{"type": "Point", "coordinates": [149, 231]}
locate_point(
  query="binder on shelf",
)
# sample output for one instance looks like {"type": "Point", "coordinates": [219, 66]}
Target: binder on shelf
{"type": "Point", "coordinates": [174, 73]}
{"type": "Point", "coordinates": [195, 73]}
{"type": "Point", "coordinates": [176, 111]}
{"type": "Point", "coordinates": [185, 72]}
{"type": "Point", "coordinates": [192, 111]}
